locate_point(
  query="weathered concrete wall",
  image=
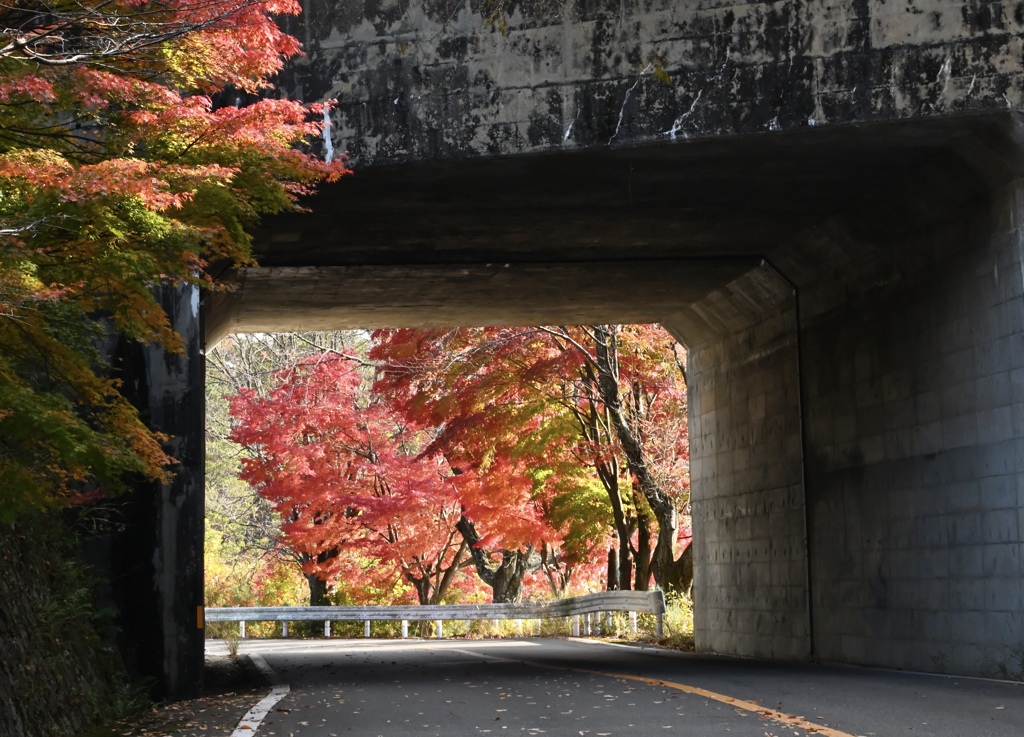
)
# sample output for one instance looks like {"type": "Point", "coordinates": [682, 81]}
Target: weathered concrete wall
{"type": "Point", "coordinates": [157, 562]}
{"type": "Point", "coordinates": [747, 494]}
{"type": "Point", "coordinates": [422, 79]}
{"type": "Point", "coordinates": [863, 385]}
{"type": "Point", "coordinates": [915, 471]}
{"type": "Point", "coordinates": [905, 367]}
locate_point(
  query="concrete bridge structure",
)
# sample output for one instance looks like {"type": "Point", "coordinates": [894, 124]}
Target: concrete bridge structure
{"type": "Point", "coordinates": [822, 199]}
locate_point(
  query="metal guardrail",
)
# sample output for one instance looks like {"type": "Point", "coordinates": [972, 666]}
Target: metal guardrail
{"type": "Point", "coordinates": [580, 609]}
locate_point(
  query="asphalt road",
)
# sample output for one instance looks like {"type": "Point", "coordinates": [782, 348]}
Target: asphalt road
{"type": "Point", "coordinates": [585, 689]}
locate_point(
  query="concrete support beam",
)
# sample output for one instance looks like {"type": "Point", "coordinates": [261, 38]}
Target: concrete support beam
{"type": "Point", "coordinates": [364, 297]}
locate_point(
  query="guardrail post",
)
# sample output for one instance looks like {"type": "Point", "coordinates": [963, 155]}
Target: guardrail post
{"type": "Point", "coordinates": [575, 625]}
{"type": "Point", "coordinates": [586, 624]}
{"type": "Point", "coordinates": [366, 628]}
{"type": "Point", "coordinates": [632, 622]}
{"type": "Point", "coordinates": [405, 628]}
{"type": "Point", "coordinates": [610, 621]}
{"type": "Point", "coordinates": [494, 623]}
{"type": "Point", "coordinates": [327, 628]}
{"type": "Point", "coordinates": [439, 628]}
{"type": "Point", "coordinates": [659, 627]}
{"type": "Point", "coordinates": [241, 629]}
{"type": "Point", "coordinates": [284, 629]}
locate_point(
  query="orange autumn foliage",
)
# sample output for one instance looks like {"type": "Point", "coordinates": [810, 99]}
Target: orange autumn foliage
{"type": "Point", "coordinates": [127, 161]}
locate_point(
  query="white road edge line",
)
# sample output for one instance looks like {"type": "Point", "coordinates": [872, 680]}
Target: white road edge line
{"type": "Point", "coordinates": [255, 716]}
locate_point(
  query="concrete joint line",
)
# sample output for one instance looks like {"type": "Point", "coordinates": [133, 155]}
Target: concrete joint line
{"type": "Point", "coordinates": [255, 716]}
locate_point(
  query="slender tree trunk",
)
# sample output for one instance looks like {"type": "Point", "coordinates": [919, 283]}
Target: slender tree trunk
{"type": "Point", "coordinates": [449, 575]}
{"type": "Point", "coordinates": [625, 567]}
{"type": "Point", "coordinates": [613, 570]}
{"type": "Point", "coordinates": [623, 532]}
{"type": "Point", "coordinates": [664, 564]}
{"type": "Point", "coordinates": [595, 424]}
{"type": "Point", "coordinates": [643, 549]}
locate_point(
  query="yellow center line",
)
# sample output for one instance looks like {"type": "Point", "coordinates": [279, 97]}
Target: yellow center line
{"type": "Point", "coordinates": [754, 708]}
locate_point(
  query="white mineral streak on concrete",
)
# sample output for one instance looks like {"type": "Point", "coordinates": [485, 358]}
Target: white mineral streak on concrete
{"type": "Point", "coordinates": [328, 144]}
{"type": "Point", "coordinates": [622, 110]}
{"type": "Point", "coordinates": [678, 123]}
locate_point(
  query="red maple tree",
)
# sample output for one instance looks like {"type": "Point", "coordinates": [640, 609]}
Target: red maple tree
{"type": "Point", "coordinates": [344, 473]}
{"type": "Point", "coordinates": [552, 401]}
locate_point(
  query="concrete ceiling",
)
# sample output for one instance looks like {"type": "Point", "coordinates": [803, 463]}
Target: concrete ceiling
{"type": "Point", "coordinates": [609, 235]}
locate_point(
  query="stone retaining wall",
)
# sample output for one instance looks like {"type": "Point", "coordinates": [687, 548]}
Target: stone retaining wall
{"type": "Point", "coordinates": [55, 676]}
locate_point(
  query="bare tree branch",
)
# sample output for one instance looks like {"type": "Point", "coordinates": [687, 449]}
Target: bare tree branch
{"type": "Point", "coordinates": [64, 34]}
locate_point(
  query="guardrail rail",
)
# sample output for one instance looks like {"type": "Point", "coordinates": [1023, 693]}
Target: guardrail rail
{"type": "Point", "coordinates": [579, 609]}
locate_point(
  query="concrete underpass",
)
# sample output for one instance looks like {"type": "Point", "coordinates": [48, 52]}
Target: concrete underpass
{"type": "Point", "coordinates": [849, 287]}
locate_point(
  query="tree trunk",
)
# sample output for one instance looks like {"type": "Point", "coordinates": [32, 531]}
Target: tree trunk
{"type": "Point", "coordinates": [422, 587]}
{"type": "Point", "coordinates": [623, 532]}
{"type": "Point", "coordinates": [506, 579]}
{"type": "Point", "coordinates": [625, 566]}
{"type": "Point", "coordinates": [674, 574]}
{"type": "Point", "coordinates": [596, 426]}
{"type": "Point", "coordinates": [613, 570]}
{"type": "Point", "coordinates": [317, 590]}
{"type": "Point", "coordinates": [642, 554]}
{"type": "Point", "coordinates": [449, 575]}
{"type": "Point", "coordinates": [661, 503]}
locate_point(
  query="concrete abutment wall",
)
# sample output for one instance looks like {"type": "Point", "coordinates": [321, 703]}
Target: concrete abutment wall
{"type": "Point", "coordinates": [750, 570]}
{"type": "Point", "coordinates": [156, 562]}
{"type": "Point", "coordinates": [885, 424]}
{"type": "Point", "coordinates": [915, 473]}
